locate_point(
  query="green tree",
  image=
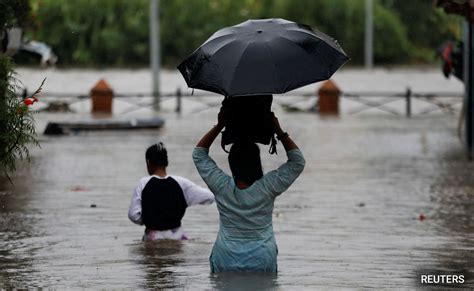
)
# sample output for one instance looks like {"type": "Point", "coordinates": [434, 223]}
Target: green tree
{"type": "Point", "coordinates": [16, 120]}
{"type": "Point", "coordinates": [391, 44]}
{"type": "Point", "coordinates": [17, 128]}
{"type": "Point", "coordinates": [115, 32]}
{"type": "Point", "coordinates": [85, 32]}
{"type": "Point", "coordinates": [426, 27]}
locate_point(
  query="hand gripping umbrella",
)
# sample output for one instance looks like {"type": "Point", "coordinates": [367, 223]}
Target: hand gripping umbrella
{"type": "Point", "coordinates": [266, 56]}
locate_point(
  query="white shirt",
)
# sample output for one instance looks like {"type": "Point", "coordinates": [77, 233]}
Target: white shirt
{"type": "Point", "coordinates": [193, 194]}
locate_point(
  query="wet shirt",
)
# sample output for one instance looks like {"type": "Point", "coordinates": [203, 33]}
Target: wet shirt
{"type": "Point", "coordinates": [246, 242]}
{"type": "Point", "coordinates": [160, 202]}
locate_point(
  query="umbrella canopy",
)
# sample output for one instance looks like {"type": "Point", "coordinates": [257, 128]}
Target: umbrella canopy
{"type": "Point", "coordinates": [265, 56]}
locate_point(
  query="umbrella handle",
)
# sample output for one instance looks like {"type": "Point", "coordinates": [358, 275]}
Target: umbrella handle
{"type": "Point", "coordinates": [273, 149]}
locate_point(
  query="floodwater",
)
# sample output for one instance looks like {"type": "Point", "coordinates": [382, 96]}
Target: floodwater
{"type": "Point", "coordinates": [351, 220]}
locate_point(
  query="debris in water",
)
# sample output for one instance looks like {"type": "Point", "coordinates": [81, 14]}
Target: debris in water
{"type": "Point", "coordinates": [93, 205]}
{"type": "Point", "coordinates": [78, 189]}
{"type": "Point", "coordinates": [362, 204]}
{"type": "Point", "coordinates": [422, 217]}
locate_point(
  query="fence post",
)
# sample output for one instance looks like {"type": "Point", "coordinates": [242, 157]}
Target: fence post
{"type": "Point", "coordinates": [101, 96]}
{"type": "Point", "coordinates": [178, 100]}
{"type": "Point", "coordinates": [408, 101]}
{"type": "Point", "coordinates": [329, 95]}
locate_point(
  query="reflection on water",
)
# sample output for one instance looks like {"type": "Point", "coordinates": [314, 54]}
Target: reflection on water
{"type": "Point", "coordinates": [452, 194]}
{"type": "Point", "coordinates": [162, 263]}
{"type": "Point", "coordinates": [158, 259]}
{"type": "Point", "coordinates": [16, 229]}
{"type": "Point", "coordinates": [350, 220]}
{"type": "Point", "coordinates": [244, 282]}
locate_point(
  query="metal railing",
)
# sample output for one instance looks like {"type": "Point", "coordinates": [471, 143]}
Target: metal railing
{"type": "Point", "coordinates": [367, 100]}
{"type": "Point", "coordinates": [384, 98]}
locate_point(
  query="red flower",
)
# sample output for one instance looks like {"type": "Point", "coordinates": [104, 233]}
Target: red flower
{"type": "Point", "coordinates": [33, 99]}
{"type": "Point", "coordinates": [29, 101]}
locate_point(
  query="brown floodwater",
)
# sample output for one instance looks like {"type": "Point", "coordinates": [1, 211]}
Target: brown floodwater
{"type": "Point", "coordinates": [351, 219]}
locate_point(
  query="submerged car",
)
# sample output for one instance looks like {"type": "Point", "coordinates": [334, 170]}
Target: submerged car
{"type": "Point", "coordinates": [13, 42]}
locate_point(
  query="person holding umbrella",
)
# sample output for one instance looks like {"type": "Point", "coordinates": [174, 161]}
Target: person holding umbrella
{"type": "Point", "coordinates": [245, 241]}
{"type": "Point", "coordinates": [247, 63]}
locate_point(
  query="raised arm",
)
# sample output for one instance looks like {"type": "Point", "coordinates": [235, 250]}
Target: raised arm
{"type": "Point", "coordinates": [207, 140]}
{"type": "Point", "coordinates": [278, 181]}
{"type": "Point", "coordinates": [283, 136]}
{"type": "Point", "coordinates": [214, 177]}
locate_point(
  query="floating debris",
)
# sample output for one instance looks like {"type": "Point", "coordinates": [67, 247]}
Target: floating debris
{"type": "Point", "coordinates": [58, 106]}
{"type": "Point", "coordinates": [78, 189]}
{"type": "Point", "coordinates": [60, 128]}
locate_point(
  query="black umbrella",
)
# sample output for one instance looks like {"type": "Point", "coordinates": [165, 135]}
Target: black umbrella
{"type": "Point", "coordinates": [266, 56]}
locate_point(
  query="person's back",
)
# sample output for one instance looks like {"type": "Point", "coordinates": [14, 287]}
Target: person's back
{"type": "Point", "coordinates": [163, 211]}
{"type": "Point", "coordinates": [160, 200]}
{"type": "Point", "coordinates": [244, 213]}
{"type": "Point", "coordinates": [246, 241]}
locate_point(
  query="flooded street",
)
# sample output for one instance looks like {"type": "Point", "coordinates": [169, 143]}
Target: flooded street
{"type": "Point", "coordinates": [351, 220]}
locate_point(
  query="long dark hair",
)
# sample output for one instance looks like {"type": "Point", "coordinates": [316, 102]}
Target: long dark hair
{"type": "Point", "coordinates": [245, 163]}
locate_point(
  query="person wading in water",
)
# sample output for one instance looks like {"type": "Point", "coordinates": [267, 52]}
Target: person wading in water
{"type": "Point", "coordinates": [245, 241]}
{"type": "Point", "coordinates": [160, 200]}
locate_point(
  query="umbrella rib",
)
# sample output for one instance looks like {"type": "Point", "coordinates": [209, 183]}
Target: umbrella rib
{"type": "Point", "coordinates": [320, 41]}
{"type": "Point", "coordinates": [277, 71]}
{"type": "Point", "coordinates": [292, 42]}
{"type": "Point", "coordinates": [221, 46]}
{"type": "Point", "coordinates": [237, 66]}
{"type": "Point", "coordinates": [220, 50]}
{"type": "Point", "coordinates": [213, 39]}
{"type": "Point", "coordinates": [296, 45]}
{"type": "Point", "coordinates": [322, 37]}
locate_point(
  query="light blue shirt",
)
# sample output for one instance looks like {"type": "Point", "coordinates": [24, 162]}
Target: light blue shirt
{"type": "Point", "coordinates": [245, 242]}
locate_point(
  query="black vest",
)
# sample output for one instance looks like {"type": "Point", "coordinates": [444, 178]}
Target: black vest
{"type": "Point", "coordinates": [163, 204]}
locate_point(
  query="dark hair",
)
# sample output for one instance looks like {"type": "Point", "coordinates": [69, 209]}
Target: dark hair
{"type": "Point", "coordinates": [245, 163]}
{"type": "Point", "coordinates": [157, 155]}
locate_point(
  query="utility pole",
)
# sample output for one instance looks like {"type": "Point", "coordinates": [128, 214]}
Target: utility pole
{"type": "Point", "coordinates": [369, 34]}
{"type": "Point", "coordinates": [155, 51]}
{"type": "Point", "coordinates": [469, 86]}
{"type": "Point", "coordinates": [466, 9]}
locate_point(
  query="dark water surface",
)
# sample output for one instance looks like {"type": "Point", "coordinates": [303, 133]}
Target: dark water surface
{"type": "Point", "coordinates": [351, 220]}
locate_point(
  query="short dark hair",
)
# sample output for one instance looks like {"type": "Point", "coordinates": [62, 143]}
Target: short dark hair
{"type": "Point", "coordinates": [245, 163]}
{"type": "Point", "coordinates": [157, 155]}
